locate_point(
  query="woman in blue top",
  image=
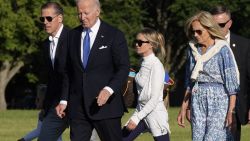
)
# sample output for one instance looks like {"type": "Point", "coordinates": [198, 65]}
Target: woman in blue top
{"type": "Point", "coordinates": [212, 81]}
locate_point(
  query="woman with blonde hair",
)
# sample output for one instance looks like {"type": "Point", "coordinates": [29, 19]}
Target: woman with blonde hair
{"type": "Point", "coordinates": [212, 81]}
{"type": "Point", "coordinates": [150, 112]}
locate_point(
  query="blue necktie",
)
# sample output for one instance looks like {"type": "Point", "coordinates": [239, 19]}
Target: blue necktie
{"type": "Point", "coordinates": [86, 48]}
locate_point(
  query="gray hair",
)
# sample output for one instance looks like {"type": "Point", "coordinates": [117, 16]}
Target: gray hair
{"type": "Point", "coordinates": [97, 2]}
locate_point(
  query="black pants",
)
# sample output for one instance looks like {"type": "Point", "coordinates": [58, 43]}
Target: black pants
{"type": "Point", "coordinates": [81, 127]}
{"type": "Point", "coordinates": [53, 126]}
{"type": "Point", "coordinates": [140, 128]}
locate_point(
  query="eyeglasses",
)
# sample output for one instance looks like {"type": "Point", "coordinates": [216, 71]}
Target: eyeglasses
{"type": "Point", "coordinates": [199, 32]}
{"type": "Point", "coordinates": [48, 18]}
{"type": "Point", "coordinates": [222, 25]}
{"type": "Point", "coordinates": [140, 42]}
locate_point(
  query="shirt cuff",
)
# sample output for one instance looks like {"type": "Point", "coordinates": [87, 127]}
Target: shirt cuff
{"type": "Point", "coordinates": [64, 102]}
{"type": "Point", "coordinates": [135, 119]}
{"type": "Point", "coordinates": [109, 90]}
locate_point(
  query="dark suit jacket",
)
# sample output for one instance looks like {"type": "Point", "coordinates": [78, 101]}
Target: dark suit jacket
{"type": "Point", "coordinates": [108, 66]}
{"type": "Point", "coordinates": [54, 82]}
{"type": "Point", "coordinates": [241, 50]}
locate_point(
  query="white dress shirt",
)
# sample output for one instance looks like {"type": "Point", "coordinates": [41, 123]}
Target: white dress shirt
{"type": "Point", "coordinates": [92, 34]}
{"type": "Point", "coordinates": [53, 44]}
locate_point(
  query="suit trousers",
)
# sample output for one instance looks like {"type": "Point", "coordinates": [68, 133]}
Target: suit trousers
{"type": "Point", "coordinates": [53, 126]}
{"type": "Point", "coordinates": [236, 130]}
{"type": "Point", "coordinates": [81, 127]}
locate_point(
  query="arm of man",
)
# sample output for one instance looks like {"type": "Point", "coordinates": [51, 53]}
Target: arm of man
{"type": "Point", "coordinates": [121, 63]}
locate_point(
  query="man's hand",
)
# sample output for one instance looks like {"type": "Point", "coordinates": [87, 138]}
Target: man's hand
{"type": "Point", "coordinates": [103, 97]}
{"type": "Point", "coordinates": [60, 110]}
{"type": "Point", "coordinates": [131, 125]}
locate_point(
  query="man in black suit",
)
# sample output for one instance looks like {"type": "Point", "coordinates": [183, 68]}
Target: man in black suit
{"type": "Point", "coordinates": [241, 49]}
{"type": "Point", "coordinates": [98, 66]}
{"type": "Point", "coordinates": [54, 51]}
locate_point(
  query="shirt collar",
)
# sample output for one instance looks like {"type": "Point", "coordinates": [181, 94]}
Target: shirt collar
{"type": "Point", "coordinates": [94, 29]}
{"type": "Point", "coordinates": [152, 55]}
{"type": "Point", "coordinates": [228, 36]}
{"type": "Point", "coordinates": [57, 34]}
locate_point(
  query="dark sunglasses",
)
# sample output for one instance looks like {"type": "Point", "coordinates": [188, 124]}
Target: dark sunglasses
{"type": "Point", "coordinates": [140, 42]}
{"type": "Point", "coordinates": [222, 25]}
{"type": "Point", "coordinates": [48, 18]}
{"type": "Point", "coordinates": [199, 32]}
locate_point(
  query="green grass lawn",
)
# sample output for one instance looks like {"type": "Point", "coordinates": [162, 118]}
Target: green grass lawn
{"type": "Point", "coordinates": [16, 123]}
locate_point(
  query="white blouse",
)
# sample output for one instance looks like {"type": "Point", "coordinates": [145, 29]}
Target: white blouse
{"type": "Point", "coordinates": [151, 108]}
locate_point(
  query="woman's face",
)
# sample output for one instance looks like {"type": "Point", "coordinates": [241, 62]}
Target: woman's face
{"type": "Point", "coordinates": [143, 46]}
{"type": "Point", "coordinates": [200, 33]}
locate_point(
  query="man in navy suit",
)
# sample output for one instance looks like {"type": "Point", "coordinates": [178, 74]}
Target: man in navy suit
{"type": "Point", "coordinates": [95, 76]}
{"type": "Point", "coordinates": [241, 49]}
{"type": "Point", "coordinates": [54, 51]}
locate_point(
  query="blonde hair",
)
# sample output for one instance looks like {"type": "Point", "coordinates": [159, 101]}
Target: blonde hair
{"type": "Point", "coordinates": [156, 39]}
{"type": "Point", "coordinates": [208, 22]}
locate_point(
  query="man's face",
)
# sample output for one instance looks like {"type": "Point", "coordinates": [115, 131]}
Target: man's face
{"type": "Point", "coordinates": [224, 22]}
{"type": "Point", "coordinates": [51, 20]}
{"type": "Point", "coordinates": [88, 13]}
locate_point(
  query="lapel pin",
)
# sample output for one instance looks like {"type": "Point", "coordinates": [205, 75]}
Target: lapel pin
{"type": "Point", "coordinates": [233, 45]}
{"type": "Point", "coordinates": [102, 36]}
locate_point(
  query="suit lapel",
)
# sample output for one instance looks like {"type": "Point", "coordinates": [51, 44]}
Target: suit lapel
{"type": "Point", "coordinates": [234, 46]}
{"type": "Point", "coordinates": [97, 43]}
{"type": "Point", "coordinates": [47, 53]}
{"type": "Point", "coordinates": [77, 44]}
{"type": "Point", "coordinates": [58, 48]}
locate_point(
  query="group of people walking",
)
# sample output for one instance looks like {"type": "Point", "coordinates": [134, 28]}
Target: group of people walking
{"type": "Point", "coordinates": [88, 65]}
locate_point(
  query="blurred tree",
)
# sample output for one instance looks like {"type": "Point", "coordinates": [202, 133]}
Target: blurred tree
{"type": "Point", "coordinates": [169, 16]}
{"type": "Point", "coordinates": [127, 15]}
{"type": "Point", "coordinates": [20, 37]}
{"type": "Point", "coordinates": [129, 22]}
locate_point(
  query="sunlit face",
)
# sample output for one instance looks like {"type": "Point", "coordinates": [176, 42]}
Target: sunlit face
{"type": "Point", "coordinates": [51, 27]}
{"type": "Point", "coordinates": [143, 46]}
{"type": "Point", "coordinates": [224, 22]}
{"type": "Point", "coordinates": [200, 33]}
{"type": "Point", "coordinates": [88, 12]}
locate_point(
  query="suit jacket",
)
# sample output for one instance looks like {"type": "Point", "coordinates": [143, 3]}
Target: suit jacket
{"type": "Point", "coordinates": [241, 49]}
{"type": "Point", "coordinates": [54, 82]}
{"type": "Point", "coordinates": [108, 65]}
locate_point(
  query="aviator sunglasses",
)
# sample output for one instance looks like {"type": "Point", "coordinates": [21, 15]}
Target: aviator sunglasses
{"type": "Point", "coordinates": [48, 18]}
{"type": "Point", "coordinates": [222, 25]}
{"type": "Point", "coordinates": [199, 32]}
{"type": "Point", "coordinates": [140, 42]}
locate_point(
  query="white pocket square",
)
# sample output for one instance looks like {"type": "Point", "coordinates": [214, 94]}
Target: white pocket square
{"type": "Point", "coordinates": [103, 47]}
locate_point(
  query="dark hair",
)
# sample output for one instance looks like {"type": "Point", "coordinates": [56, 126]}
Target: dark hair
{"type": "Point", "coordinates": [220, 9]}
{"type": "Point", "coordinates": [54, 5]}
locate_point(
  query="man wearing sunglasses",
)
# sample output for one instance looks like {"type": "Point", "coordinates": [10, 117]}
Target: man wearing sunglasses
{"type": "Point", "coordinates": [54, 51]}
{"type": "Point", "coordinates": [241, 49]}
